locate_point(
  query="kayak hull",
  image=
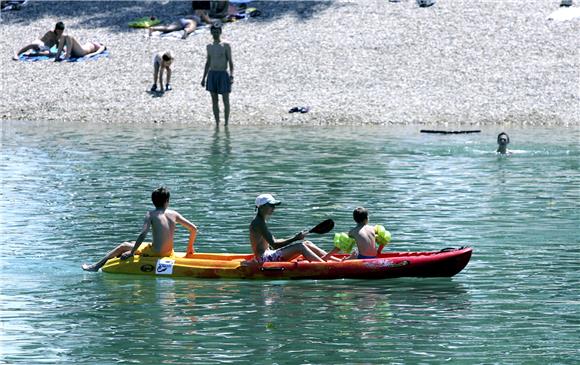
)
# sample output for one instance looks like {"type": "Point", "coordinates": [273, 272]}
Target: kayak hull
{"type": "Point", "coordinates": [444, 263]}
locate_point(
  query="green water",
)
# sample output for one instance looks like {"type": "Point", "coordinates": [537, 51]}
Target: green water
{"type": "Point", "coordinates": [71, 192]}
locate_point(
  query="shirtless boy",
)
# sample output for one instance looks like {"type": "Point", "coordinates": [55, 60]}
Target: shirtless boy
{"type": "Point", "coordinates": [162, 221]}
{"type": "Point", "coordinates": [162, 62]}
{"type": "Point", "coordinates": [364, 236]}
{"type": "Point", "coordinates": [45, 43]}
{"type": "Point", "coordinates": [262, 239]}
{"type": "Point", "coordinates": [219, 56]}
{"type": "Point", "coordinates": [75, 49]}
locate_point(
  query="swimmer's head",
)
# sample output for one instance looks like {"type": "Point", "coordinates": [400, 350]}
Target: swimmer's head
{"type": "Point", "coordinates": [266, 203]}
{"type": "Point", "coordinates": [360, 215]}
{"type": "Point", "coordinates": [160, 197]}
{"type": "Point", "coordinates": [59, 28]}
{"type": "Point", "coordinates": [503, 139]}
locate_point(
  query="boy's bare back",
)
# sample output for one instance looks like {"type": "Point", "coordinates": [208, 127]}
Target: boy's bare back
{"type": "Point", "coordinates": [365, 239]}
{"type": "Point", "coordinates": [163, 223]}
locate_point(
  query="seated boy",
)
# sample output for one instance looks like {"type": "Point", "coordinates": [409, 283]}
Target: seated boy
{"type": "Point", "coordinates": [162, 63]}
{"type": "Point", "coordinates": [162, 221]}
{"type": "Point", "coordinates": [262, 239]}
{"type": "Point", "coordinates": [364, 235]}
{"type": "Point", "coordinates": [43, 45]}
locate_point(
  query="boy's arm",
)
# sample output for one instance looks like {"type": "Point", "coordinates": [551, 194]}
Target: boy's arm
{"type": "Point", "coordinates": [162, 69]}
{"type": "Point", "coordinates": [140, 239]}
{"type": "Point", "coordinates": [168, 76]}
{"type": "Point", "coordinates": [206, 69]}
{"type": "Point", "coordinates": [230, 61]}
{"type": "Point", "coordinates": [192, 232]}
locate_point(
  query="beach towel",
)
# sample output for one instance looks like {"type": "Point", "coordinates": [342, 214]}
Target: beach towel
{"type": "Point", "coordinates": [564, 14]}
{"type": "Point", "coordinates": [13, 4]}
{"type": "Point", "coordinates": [145, 22]}
{"type": "Point", "coordinates": [35, 57]}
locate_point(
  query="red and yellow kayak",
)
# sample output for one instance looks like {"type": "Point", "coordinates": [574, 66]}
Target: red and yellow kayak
{"type": "Point", "coordinates": [444, 263]}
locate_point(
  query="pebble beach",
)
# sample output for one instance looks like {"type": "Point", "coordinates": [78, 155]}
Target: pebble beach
{"type": "Point", "coordinates": [352, 62]}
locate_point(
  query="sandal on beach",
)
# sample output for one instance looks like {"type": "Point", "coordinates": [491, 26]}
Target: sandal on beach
{"type": "Point", "coordinates": [294, 110]}
{"type": "Point", "coordinates": [304, 109]}
{"type": "Point", "coordinates": [168, 87]}
{"type": "Point", "coordinates": [154, 88]}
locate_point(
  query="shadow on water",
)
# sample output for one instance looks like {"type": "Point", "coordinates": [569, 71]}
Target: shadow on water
{"type": "Point", "coordinates": [116, 14]}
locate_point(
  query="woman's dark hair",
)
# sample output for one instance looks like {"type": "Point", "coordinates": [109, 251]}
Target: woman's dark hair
{"type": "Point", "coordinates": [59, 26]}
{"type": "Point", "coordinates": [503, 134]}
{"type": "Point", "coordinates": [160, 196]}
{"type": "Point", "coordinates": [360, 214]}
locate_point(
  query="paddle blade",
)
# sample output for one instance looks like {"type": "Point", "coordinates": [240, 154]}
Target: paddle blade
{"type": "Point", "coordinates": [323, 227]}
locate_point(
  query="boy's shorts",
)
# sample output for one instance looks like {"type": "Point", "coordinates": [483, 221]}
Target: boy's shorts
{"type": "Point", "coordinates": [218, 82]}
{"type": "Point", "coordinates": [146, 250]}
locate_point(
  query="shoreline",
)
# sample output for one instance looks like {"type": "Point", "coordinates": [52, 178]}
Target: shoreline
{"type": "Point", "coordinates": [352, 63]}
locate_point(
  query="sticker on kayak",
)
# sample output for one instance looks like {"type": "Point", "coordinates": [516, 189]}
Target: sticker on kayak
{"type": "Point", "coordinates": [385, 263]}
{"type": "Point", "coordinates": [164, 267]}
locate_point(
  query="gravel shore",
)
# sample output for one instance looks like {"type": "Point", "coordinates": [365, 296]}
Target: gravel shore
{"type": "Point", "coordinates": [351, 62]}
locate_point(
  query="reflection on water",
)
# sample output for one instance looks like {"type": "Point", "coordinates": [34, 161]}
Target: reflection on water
{"type": "Point", "coordinates": [71, 192]}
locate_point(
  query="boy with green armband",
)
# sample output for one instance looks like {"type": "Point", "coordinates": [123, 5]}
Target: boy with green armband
{"type": "Point", "coordinates": [364, 236]}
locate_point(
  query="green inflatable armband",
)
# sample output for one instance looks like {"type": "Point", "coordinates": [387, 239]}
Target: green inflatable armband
{"type": "Point", "coordinates": [344, 242]}
{"type": "Point", "coordinates": [383, 236]}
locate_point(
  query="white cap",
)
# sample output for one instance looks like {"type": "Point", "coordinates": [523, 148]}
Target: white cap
{"type": "Point", "coordinates": [266, 199]}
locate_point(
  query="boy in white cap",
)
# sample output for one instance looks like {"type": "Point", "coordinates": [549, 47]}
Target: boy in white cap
{"type": "Point", "coordinates": [285, 250]}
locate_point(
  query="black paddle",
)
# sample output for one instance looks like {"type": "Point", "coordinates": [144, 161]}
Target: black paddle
{"type": "Point", "coordinates": [323, 227]}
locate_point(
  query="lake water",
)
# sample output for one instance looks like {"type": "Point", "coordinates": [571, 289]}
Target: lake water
{"type": "Point", "coordinates": [72, 192]}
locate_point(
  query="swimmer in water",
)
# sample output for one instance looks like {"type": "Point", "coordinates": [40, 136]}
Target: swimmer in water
{"type": "Point", "coordinates": [502, 142]}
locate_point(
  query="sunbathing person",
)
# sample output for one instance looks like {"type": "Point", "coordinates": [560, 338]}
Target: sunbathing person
{"type": "Point", "coordinates": [188, 25]}
{"type": "Point", "coordinates": [44, 44]}
{"type": "Point", "coordinates": [75, 49]}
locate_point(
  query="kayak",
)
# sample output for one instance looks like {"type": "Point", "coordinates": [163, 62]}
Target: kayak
{"type": "Point", "coordinates": [444, 263]}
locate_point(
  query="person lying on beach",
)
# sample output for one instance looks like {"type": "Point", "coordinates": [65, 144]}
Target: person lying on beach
{"type": "Point", "coordinates": [364, 236]}
{"type": "Point", "coordinates": [162, 62]}
{"type": "Point", "coordinates": [262, 239]}
{"type": "Point", "coordinates": [75, 49]}
{"type": "Point", "coordinates": [219, 57]}
{"type": "Point", "coordinates": [45, 43]}
{"type": "Point", "coordinates": [188, 25]}
{"type": "Point", "coordinates": [502, 142]}
{"type": "Point", "coordinates": [162, 220]}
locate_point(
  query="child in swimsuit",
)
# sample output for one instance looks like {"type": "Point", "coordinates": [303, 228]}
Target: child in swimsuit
{"type": "Point", "coordinates": [162, 62]}
{"type": "Point", "coordinates": [364, 235]}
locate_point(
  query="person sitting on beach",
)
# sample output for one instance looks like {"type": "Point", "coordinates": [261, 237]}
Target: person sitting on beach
{"type": "Point", "coordinates": [187, 24]}
{"type": "Point", "coordinates": [262, 239]}
{"type": "Point", "coordinates": [200, 8]}
{"type": "Point", "coordinates": [75, 49]}
{"type": "Point", "coordinates": [219, 9]}
{"type": "Point", "coordinates": [219, 56]}
{"type": "Point", "coordinates": [162, 62]}
{"type": "Point", "coordinates": [162, 221]}
{"type": "Point", "coordinates": [502, 142]}
{"type": "Point", "coordinates": [45, 43]}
